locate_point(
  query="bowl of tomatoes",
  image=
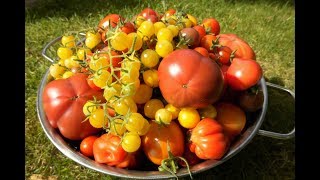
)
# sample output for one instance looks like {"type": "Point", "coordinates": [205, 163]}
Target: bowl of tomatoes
{"type": "Point", "coordinates": [155, 96]}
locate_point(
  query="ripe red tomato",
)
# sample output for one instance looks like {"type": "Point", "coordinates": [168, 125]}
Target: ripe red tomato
{"type": "Point", "coordinates": [243, 74]}
{"type": "Point", "coordinates": [243, 49]}
{"type": "Point", "coordinates": [104, 23]}
{"type": "Point", "coordinates": [169, 12]}
{"type": "Point", "coordinates": [211, 25]}
{"type": "Point", "coordinates": [203, 51]}
{"type": "Point", "coordinates": [86, 145]}
{"type": "Point", "coordinates": [224, 54]}
{"type": "Point", "coordinates": [108, 150]}
{"type": "Point", "coordinates": [146, 12]}
{"type": "Point", "coordinates": [208, 140]}
{"type": "Point", "coordinates": [128, 27]}
{"type": "Point", "coordinates": [186, 78]}
{"type": "Point", "coordinates": [154, 143]}
{"type": "Point", "coordinates": [63, 100]}
{"type": "Point", "coordinates": [231, 117]}
{"type": "Point", "coordinates": [207, 42]}
{"type": "Point", "coordinates": [200, 30]}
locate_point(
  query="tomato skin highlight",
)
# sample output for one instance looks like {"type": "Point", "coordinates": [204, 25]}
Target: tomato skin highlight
{"type": "Point", "coordinates": [63, 100]}
{"type": "Point", "coordinates": [186, 78]}
{"type": "Point", "coordinates": [154, 143]}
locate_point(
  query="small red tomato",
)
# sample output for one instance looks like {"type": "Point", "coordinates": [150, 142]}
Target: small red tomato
{"type": "Point", "coordinates": [191, 36]}
{"type": "Point", "coordinates": [86, 146]}
{"type": "Point", "coordinates": [224, 54]}
{"type": "Point", "coordinates": [128, 27]}
{"type": "Point", "coordinates": [201, 31]}
{"type": "Point", "coordinates": [207, 42]}
{"type": "Point", "coordinates": [211, 25]}
{"type": "Point", "coordinates": [243, 73]}
{"type": "Point", "coordinates": [203, 51]}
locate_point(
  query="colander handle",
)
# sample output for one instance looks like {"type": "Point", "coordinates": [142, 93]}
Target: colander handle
{"type": "Point", "coordinates": [44, 51]}
{"type": "Point", "coordinates": [275, 134]}
{"type": "Point", "coordinates": [46, 47]}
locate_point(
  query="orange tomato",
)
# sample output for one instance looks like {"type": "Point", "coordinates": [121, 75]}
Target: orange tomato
{"type": "Point", "coordinates": [154, 143]}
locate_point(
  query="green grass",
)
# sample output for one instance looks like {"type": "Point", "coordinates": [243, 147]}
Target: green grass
{"type": "Point", "coordinates": [267, 25]}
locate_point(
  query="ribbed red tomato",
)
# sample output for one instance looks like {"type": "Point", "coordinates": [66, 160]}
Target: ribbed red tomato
{"type": "Point", "coordinates": [208, 140]}
{"type": "Point", "coordinates": [186, 78]}
{"type": "Point", "coordinates": [63, 100]}
{"type": "Point", "coordinates": [234, 42]}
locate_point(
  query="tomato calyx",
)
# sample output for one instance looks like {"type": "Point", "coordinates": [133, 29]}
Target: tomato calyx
{"type": "Point", "coordinates": [171, 163]}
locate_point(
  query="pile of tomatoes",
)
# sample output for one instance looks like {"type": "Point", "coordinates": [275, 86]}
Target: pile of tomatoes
{"type": "Point", "coordinates": [155, 89]}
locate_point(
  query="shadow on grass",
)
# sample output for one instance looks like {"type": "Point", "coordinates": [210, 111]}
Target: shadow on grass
{"type": "Point", "coordinates": [264, 157]}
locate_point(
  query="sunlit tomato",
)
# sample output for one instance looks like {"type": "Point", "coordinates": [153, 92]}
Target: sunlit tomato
{"type": "Point", "coordinates": [243, 73]}
{"type": "Point", "coordinates": [164, 34]}
{"type": "Point", "coordinates": [208, 140]}
{"type": "Point", "coordinates": [174, 110]}
{"type": "Point", "coordinates": [128, 28]}
{"type": "Point", "coordinates": [149, 58]}
{"type": "Point", "coordinates": [188, 79]}
{"type": "Point", "coordinates": [188, 117]}
{"type": "Point", "coordinates": [109, 20]}
{"type": "Point", "coordinates": [56, 70]}
{"type": "Point", "coordinates": [155, 142]}
{"type": "Point", "coordinates": [147, 12]}
{"type": "Point", "coordinates": [92, 39]}
{"type": "Point", "coordinates": [119, 41]}
{"type": "Point", "coordinates": [170, 12]}
{"type": "Point", "coordinates": [174, 30]}
{"type": "Point", "coordinates": [131, 141]}
{"type": "Point", "coordinates": [211, 25]}
{"type": "Point", "coordinates": [86, 145]}
{"type": "Point", "coordinates": [97, 119]}
{"type": "Point", "coordinates": [191, 36]}
{"type": "Point", "coordinates": [63, 101]}
{"type": "Point", "coordinates": [163, 116]}
{"type": "Point", "coordinates": [157, 26]}
{"type": "Point", "coordinates": [68, 41]}
{"type": "Point", "coordinates": [146, 30]}
{"type": "Point", "coordinates": [108, 150]}
{"type": "Point", "coordinates": [150, 77]}
{"type": "Point", "coordinates": [164, 47]}
{"type": "Point", "coordinates": [234, 42]}
{"type": "Point", "coordinates": [192, 19]}
{"type": "Point", "coordinates": [207, 42]}
{"type": "Point", "coordinates": [64, 52]}
{"type": "Point", "coordinates": [224, 54]}
{"type": "Point", "coordinates": [138, 41]}
{"type": "Point", "coordinates": [203, 51]}
{"type": "Point", "coordinates": [200, 29]}
{"type": "Point", "coordinates": [231, 117]}
{"type": "Point", "coordinates": [125, 105]}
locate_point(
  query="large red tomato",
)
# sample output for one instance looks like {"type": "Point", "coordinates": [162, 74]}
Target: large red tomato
{"type": "Point", "coordinates": [243, 74]}
{"type": "Point", "coordinates": [108, 150]}
{"type": "Point", "coordinates": [234, 42]}
{"type": "Point", "coordinates": [63, 100]}
{"type": "Point", "coordinates": [208, 140]}
{"type": "Point", "coordinates": [154, 143]}
{"type": "Point", "coordinates": [186, 78]}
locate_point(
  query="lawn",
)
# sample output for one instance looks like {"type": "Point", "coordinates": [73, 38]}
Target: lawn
{"type": "Point", "coordinates": [267, 25]}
